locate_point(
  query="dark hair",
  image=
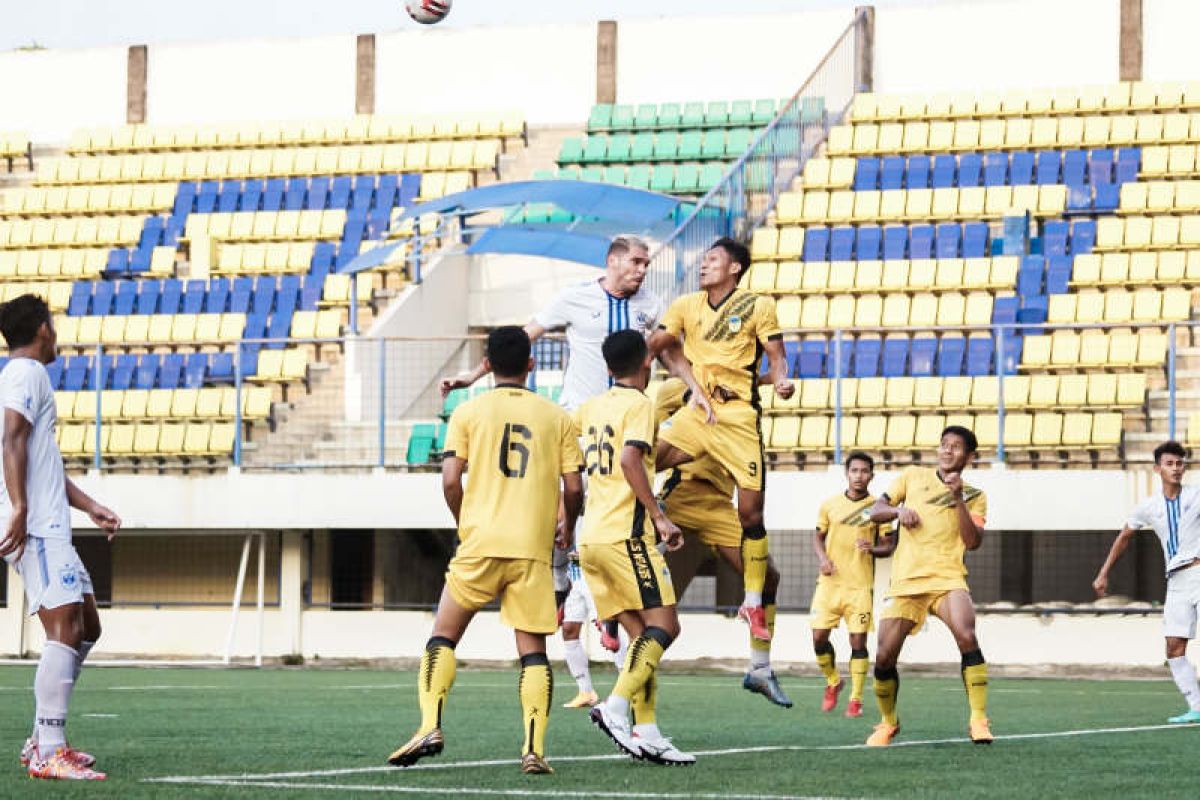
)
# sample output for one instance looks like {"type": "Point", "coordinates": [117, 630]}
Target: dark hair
{"type": "Point", "coordinates": [624, 352]}
{"type": "Point", "coordinates": [859, 455]}
{"type": "Point", "coordinates": [737, 251]}
{"type": "Point", "coordinates": [508, 349]}
{"type": "Point", "coordinates": [1169, 448]}
{"type": "Point", "coordinates": [966, 434]}
{"type": "Point", "coordinates": [20, 319]}
{"type": "Point", "coordinates": [620, 245]}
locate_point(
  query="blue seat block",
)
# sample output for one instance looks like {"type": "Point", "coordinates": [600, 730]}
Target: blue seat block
{"type": "Point", "coordinates": [945, 168]}
{"type": "Point", "coordinates": [868, 242]}
{"type": "Point", "coordinates": [816, 244]}
{"type": "Point", "coordinates": [970, 168]}
{"type": "Point", "coordinates": [895, 357]}
{"type": "Point", "coordinates": [891, 173]}
{"type": "Point", "coordinates": [920, 241]}
{"type": "Point", "coordinates": [922, 357]}
{"type": "Point", "coordinates": [866, 358]}
{"type": "Point", "coordinates": [947, 239]}
{"type": "Point", "coordinates": [1020, 170]}
{"type": "Point", "coordinates": [974, 239]}
{"type": "Point", "coordinates": [895, 242]}
{"type": "Point", "coordinates": [950, 356]}
{"type": "Point", "coordinates": [980, 355]}
{"type": "Point", "coordinates": [841, 243]}
{"type": "Point", "coordinates": [916, 176]}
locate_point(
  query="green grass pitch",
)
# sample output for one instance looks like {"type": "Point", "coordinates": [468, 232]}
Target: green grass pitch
{"type": "Point", "coordinates": [243, 726]}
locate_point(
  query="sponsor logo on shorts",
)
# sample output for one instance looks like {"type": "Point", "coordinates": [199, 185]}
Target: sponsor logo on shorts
{"type": "Point", "coordinates": [68, 577]}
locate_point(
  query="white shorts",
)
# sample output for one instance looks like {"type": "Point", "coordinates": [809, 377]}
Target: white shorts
{"type": "Point", "coordinates": [1182, 604]}
{"type": "Point", "coordinates": [558, 568]}
{"type": "Point", "coordinates": [52, 573]}
{"type": "Point", "coordinates": [579, 606]}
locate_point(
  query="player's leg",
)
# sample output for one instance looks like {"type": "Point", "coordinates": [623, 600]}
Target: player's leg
{"type": "Point", "coordinates": [759, 677]}
{"type": "Point", "coordinates": [892, 633]}
{"type": "Point", "coordinates": [827, 663]}
{"type": "Point", "coordinates": [659, 627]}
{"type": "Point", "coordinates": [577, 610]}
{"type": "Point", "coordinates": [860, 661]}
{"type": "Point", "coordinates": [1179, 626]}
{"type": "Point", "coordinates": [957, 610]}
{"type": "Point", "coordinates": [536, 689]}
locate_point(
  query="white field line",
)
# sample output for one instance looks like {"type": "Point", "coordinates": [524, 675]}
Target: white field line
{"type": "Point", "coordinates": [250, 778]}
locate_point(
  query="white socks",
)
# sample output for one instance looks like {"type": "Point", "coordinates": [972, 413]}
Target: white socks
{"type": "Point", "coordinates": [752, 599]}
{"type": "Point", "coordinates": [1185, 678]}
{"type": "Point", "coordinates": [622, 650]}
{"type": "Point", "coordinates": [85, 647]}
{"type": "Point", "coordinates": [577, 664]}
{"type": "Point", "coordinates": [760, 659]}
{"type": "Point", "coordinates": [618, 705]}
{"type": "Point", "coordinates": [52, 685]}
{"type": "Point", "coordinates": [648, 730]}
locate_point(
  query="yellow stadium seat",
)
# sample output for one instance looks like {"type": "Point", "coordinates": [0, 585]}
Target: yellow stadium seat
{"type": "Point", "coordinates": [208, 328]}
{"type": "Point", "coordinates": [1047, 429]}
{"type": "Point", "coordinates": [762, 278]}
{"type": "Point", "coordinates": [814, 432]}
{"type": "Point", "coordinates": [841, 311]}
{"type": "Point", "coordinates": [1073, 389]}
{"type": "Point", "coordinates": [868, 312]}
{"type": "Point", "coordinates": [785, 433]}
{"type": "Point", "coordinates": [1131, 389]}
{"type": "Point", "coordinates": [763, 243]}
{"type": "Point", "coordinates": [871, 393]}
{"type": "Point", "coordinates": [985, 392]}
{"type": "Point", "coordinates": [845, 434]}
{"type": "Point", "coordinates": [196, 438]}
{"type": "Point", "coordinates": [112, 330]}
{"type": "Point", "coordinates": [295, 365]}
{"type": "Point", "coordinates": [1036, 351]}
{"type": "Point", "coordinates": [916, 137]}
{"type": "Point", "coordinates": [815, 276]}
{"type": "Point", "coordinates": [866, 137]}
{"type": "Point", "coordinates": [1151, 349]}
{"type": "Point", "coordinates": [814, 394]}
{"type": "Point", "coordinates": [789, 276]}
{"type": "Point", "coordinates": [787, 311]}
{"type": "Point", "coordinates": [840, 141]}
{"type": "Point", "coordinates": [814, 312]}
{"type": "Point", "coordinates": [865, 206]}
{"type": "Point", "coordinates": [1101, 389]}
{"type": "Point", "coordinates": [183, 328]}
{"type": "Point", "coordinates": [841, 172]}
{"type": "Point", "coordinates": [927, 392]}
{"type": "Point", "coordinates": [841, 276]}
{"type": "Point", "coordinates": [841, 206]}
{"type": "Point", "coordinates": [1093, 348]}
{"type": "Point", "coordinates": [923, 312]}
{"type": "Point", "coordinates": [901, 432]}
{"type": "Point", "coordinates": [1164, 231]}
{"type": "Point", "coordinates": [183, 403]}
{"type": "Point", "coordinates": [872, 432]}
{"type": "Point", "coordinates": [1106, 429]}
{"type": "Point", "coordinates": [1094, 306]}
{"type": "Point", "coordinates": [1176, 304]}
{"type": "Point", "coordinates": [899, 392]}
{"type": "Point", "coordinates": [1064, 348]}
{"type": "Point", "coordinates": [1114, 269]}
{"type": "Point", "coordinates": [815, 206]}
{"type": "Point", "coordinates": [951, 309]}
{"type": "Point", "coordinates": [956, 391]}
{"type": "Point", "coordinates": [815, 176]}
{"type": "Point", "coordinates": [791, 242]}
{"type": "Point", "coordinates": [941, 136]}
{"type": "Point", "coordinates": [72, 443]}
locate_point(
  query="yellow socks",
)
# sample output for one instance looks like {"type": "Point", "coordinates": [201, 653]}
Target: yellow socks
{"type": "Point", "coordinates": [536, 688]}
{"type": "Point", "coordinates": [859, 663]}
{"type": "Point", "coordinates": [758, 645]}
{"type": "Point", "coordinates": [644, 703]}
{"type": "Point", "coordinates": [975, 680]}
{"type": "Point", "coordinates": [887, 689]}
{"type": "Point", "coordinates": [438, 667]}
{"type": "Point", "coordinates": [640, 665]}
{"type": "Point", "coordinates": [825, 660]}
{"type": "Point", "coordinates": [754, 563]}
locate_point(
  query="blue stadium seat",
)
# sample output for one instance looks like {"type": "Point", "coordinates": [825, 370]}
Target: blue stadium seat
{"type": "Point", "coordinates": [185, 198]}
{"type": "Point", "coordinates": [170, 371]}
{"type": "Point", "coordinates": [1129, 161]}
{"type": "Point", "coordinates": [279, 327]}
{"type": "Point", "coordinates": [917, 174]}
{"type": "Point", "coordinates": [171, 296]}
{"type": "Point", "coordinates": [147, 371]}
{"type": "Point", "coordinates": [174, 229]}
{"type": "Point", "coordinates": [922, 357]}
{"type": "Point", "coordinates": [193, 297]}
{"type": "Point", "coordinates": [1080, 197]}
{"type": "Point", "coordinates": [318, 194]}
{"type": "Point", "coordinates": [970, 167]}
{"type": "Point", "coordinates": [339, 192]}
{"type": "Point", "coordinates": [206, 197]}
{"type": "Point", "coordinates": [217, 299]}
{"type": "Point", "coordinates": [1100, 166]}
{"type": "Point", "coordinates": [152, 231]}
{"type": "Point", "coordinates": [310, 298]}
{"type": "Point", "coordinates": [974, 239]}
{"type": "Point", "coordinates": [1058, 274]}
{"type": "Point", "coordinates": [410, 189]}
{"type": "Point", "coordinates": [75, 373]}
{"type": "Point", "coordinates": [102, 296]}
{"type": "Point", "coordinates": [1020, 168]}
{"type": "Point", "coordinates": [195, 370]}
{"type": "Point", "coordinates": [1054, 237]}
{"type": "Point", "coordinates": [139, 261]}
{"type": "Point", "coordinates": [81, 299]}
{"type": "Point", "coordinates": [995, 169]}
{"type": "Point", "coordinates": [866, 358]}
{"type": "Point", "coordinates": [810, 363]}
{"type": "Point", "coordinates": [287, 283]}
{"type": "Point", "coordinates": [272, 198]}
{"type": "Point", "coordinates": [322, 261]}
{"type": "Point", "coordinates": [891, 173]}
{"type": "Point", "coordinates": [944, 171]}
{"type": "Point", "coordinates": [1011, 359]}
{"type": "Point", "coordinates": [868, 242]}
{"type": "Point", "coordinates": [791, 355]}
{"type": "Point", "coordinates": [841, 243]}
{"type": "Point", "coordinates": [920, 241]}
{"type": "Point", "coordinates": [240, 294]}
{"type": "Point", "coordinates": [251, 200]}
{"type": "Point", "coordinates": [816, 244]}
{"type": "Point", "coordinates": [1074, 167]}
{"type": "Point", "coordinates": [54, 371]}
{"type": "Point", "coordinates": [378, 222]}
{"type": "Point", "coordinates": [125, 298]}
{"type": "Point", "coordinates": [1083, 236]}
{"type": "Point", "coordinates": [264, 295]}
{"type": "Point", "coordinates": [228, 197]}
{"type": "Point", "coordinates": [1107, 197]}
{"type": "Point", "coordinates": [364, 192]}
{"type": "Point", "coordinates": [947, 237]}
{"type": "Point", "coordinates": [895, 242]}
{"type": "Point", "coordinates": [1049, 167]}
{"type": "Point", "coordinates": [123, 369]}
{"type": "Point", "coordinates": [866, 174]}
{"type": "Point", "coordinates": [294, 196]}
{"type": "Point", "coordinates": [385, 194]}
{"type": "Point", "coordinates": [838, 364]}
{"type": "Point", "coordinates": [256, 326]}
{"type": "Point", "coordinates": [981, 353]}
{"type": "Point", "coordinates": [99, 372]}
{"type": "Point", "coordinates": [895, 357]}
{"type": "Point", "coordinates": [950, 356]}
{"type": "Point", "coordinates": [1033, 311]}
{"type": "Point", "coordinates": [118, 261]}
{"type": "Point", "coordinates": [220, 368]}
{"type": "Point", "coordinates": [1030, 275]}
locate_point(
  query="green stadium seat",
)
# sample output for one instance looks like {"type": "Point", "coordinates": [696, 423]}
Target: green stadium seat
{"type": "Point", "coordinates": [568, 173]}
{"type": "Point", "coordinates": [663, 179]}
{"type": "Point", "coordinates": [687, 179]}
{"type": "Point", "coordinates": [670, 115]}
{"type": "Point", "coordinates": [738, 142]}
{"type": "Point", "coordinates": [714, 145]}
{"type": "Point", "coordinates": [646, 117]}
{"type": "Point", "coordinates": [618, 148]}
{"type": "Point", "coordinates": [596, 149]}
{"type": "Point", "coordinates": [741, 112]}
{"type": "Point", "coordinates": [642, 148]}
{"type": "Point", "coordinates": [622, 118]}
{"type": "Point", "coordinates": [666, 146]}
{"type": "Point", "coordinates": [593, 174]}
{"type": "Point", "coordinates": [571, 152]}
{"type": "Point", "coordinates": [812, 110]}
{"type": "Point", "coordinates": [614, 175]}
{"type": "Point", "coordinates": [711, 174]}
{"type": "Point", "coordinates": [691, 145]}
{"type": "Point", "coordinates": [764, 111]}
{"type": "Point", "coordinates": [693, 115]}
{"type": "Point", "coordinates": [717, 113]}
{"type": "Point", "coordinates": [601, 117]}
{"type": "Point", "coordinates": [638, 177]}
{"type": "Point", "coordinates": [421, 443]}
{"type": "Point", "coordinates": [453, 400]}
{"type": "Point", "coordinates": [545, 175]}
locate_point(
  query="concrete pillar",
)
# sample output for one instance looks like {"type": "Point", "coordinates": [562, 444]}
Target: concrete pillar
{"type": "Point", "coordinates": [364, 83]}
{"type": "Point", "coordinates": [135, 85]}
{"type": "Point", "coordinates": [12, 616]}
{"type": "Point", "coordinates": [864, 49]}
{"type": "Point", "coordinates": [606, 61]}
{"type": "Point", "coordinates": [291, 588]}
{"type": "Point", "coordinates": [1131, 40]}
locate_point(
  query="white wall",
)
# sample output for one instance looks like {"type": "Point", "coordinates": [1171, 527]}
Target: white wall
{"type": "Point", "coordinates": [251, 80]}
{"type": "Point", "coordinates": [49, 94]}
{"type": "Point", "coordinates": [1169, 40]}
{"type": "Point", "coordinates": [548, 72]}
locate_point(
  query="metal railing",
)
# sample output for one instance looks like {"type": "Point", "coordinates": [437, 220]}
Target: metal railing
{"type": "Point", "coordinates": [749, 189]}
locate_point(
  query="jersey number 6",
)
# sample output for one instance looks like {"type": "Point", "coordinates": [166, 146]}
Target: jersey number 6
{"type": "Point", "coordinates": [510, 445]}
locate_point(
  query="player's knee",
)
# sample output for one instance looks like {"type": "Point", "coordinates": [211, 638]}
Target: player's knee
{"type": "Point", "coordinates": [571, 630]}
{"type": "Point", "coordinates": [820, 639]}
{"type": "Point", "coordinates": [750, 518]}
{"type": "Point", "coordinates": [966, 640]}
{"type": "Point", "coordinates": [1176, 648]}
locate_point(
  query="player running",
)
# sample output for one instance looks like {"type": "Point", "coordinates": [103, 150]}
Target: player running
{"type": "Point", "coordinates": [628, 576]}
{"type": "Point", "coordinates": [846, 543]}
{"type": "Point", "coordinates": [1175, 518]}
{"type": "Point", "coordinates": [698, 497]}
{"type": "Point", "coordinates": [520, 446]}
{"type": "Point", "coordinates": [35, 502]}
{"type": "Point", "coordinates": [940, 519]}
{"type": "Point", "coordinates": [725, 329]}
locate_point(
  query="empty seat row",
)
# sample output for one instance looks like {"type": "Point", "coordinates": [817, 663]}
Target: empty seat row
{"type": "Point", "coordinates": [1158, 267]}
{"type": "Point", "coordinates": [367, 159]}
{"type": "Point", "coordinates": [1070, 350]}
{"type": "Point", "coordinates": [1121, 305]}
{"type": "Point", "coordinates": [298, 193]}
{"type": "Point", "coordinates": [619, 148]}
{"type": "Point", "coordinates": [210, 402]}
{"type": "Point", "coordinates": [174, 296]}
{"type": "Point", "coordinates": [922, 310]}
{"type": "Point", "coordinates": [1148, 233]}
{"type": "Point", "coordinates": [980, 393]}
{"type": "Point", "coordinates": [872, 242]}
{"type": "Point", "coordinates": [667, 178]}
{"type": "Point", "coordinates": [654, 116]}
{"type": "Point", "coordinates": [1072, 167]}
{"type": "Point", "coordinates": [56, 293]}
{"type": "Point", "coordinates": [14, 144]}
{"type": "Point", "coordinates": [896, 355]}
{"type": "Point", "coordinates": [144, 329]}
{"type": "Point", "coordinates": [149, 440]}
{"type": "Point", "coordinates": [1017, 133]}
{"type": "Point", "coordinates": [125, 371]}
{"type": "Point", "coordinates": [1160, 197]}
{"type": "Point", "coordinates": [360, 129]}
{"type": "Point", "coordinates": [978, 202]}
{"type": "Point", "coordinates": [267, 225]}
{"type": "Point", "coordinates": [1047, 430]}
{"type": "Point", "coordinates": [823, 277]}
{"type": "Point", "coordinates": [71, 232]}
{"type": "Point", "coordinates": [69, 264]}
{"type": "Point", "coordinates": [1115, 97]}
{"type": "Point", "coordinates": [1174, 161]}
{"type": "Point", "coordinates": [37, 201]}
{"type": "Point", "coordinates": [235, 258]}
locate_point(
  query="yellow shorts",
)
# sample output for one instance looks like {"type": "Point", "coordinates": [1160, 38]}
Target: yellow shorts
{"type": "Point", "coordinates": [735, 441]}
{"type": "Point", "coordinates": [915, 607]}
{"type": "Point", "coordinates": [831, 605]}
{"type": "Point", "coordinates": [525, 588]}
{"type": "Point", "coordinates": [626, 576]}
{"type": "Point", "coordinates": [701, 510]}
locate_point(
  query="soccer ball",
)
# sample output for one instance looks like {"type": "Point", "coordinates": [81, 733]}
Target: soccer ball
{"type": "Point", "coordinates": [427, 12]}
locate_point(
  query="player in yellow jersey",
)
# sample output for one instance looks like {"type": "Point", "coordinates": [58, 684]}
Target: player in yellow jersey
{"type": "Point", "coordinates": [519, 447]}
{"type": "Point", "coordinates": [698, 497]}
{"type": "Point", "coordinates": [846, 543]}
{"type": "Point", "coordinates": [940, 519]}
{"type": "Point", "coordinates": [627, 575]}
{"type": "Point", "coordinates": [725, 330]}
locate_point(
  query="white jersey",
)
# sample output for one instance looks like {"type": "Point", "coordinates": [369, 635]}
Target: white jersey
{"type": "Point", "coordinates": [25, 388]}
{"type": "Point", "coordinates": [1177, 523]}
{"type": "Point", "coordinates": [589, 314]}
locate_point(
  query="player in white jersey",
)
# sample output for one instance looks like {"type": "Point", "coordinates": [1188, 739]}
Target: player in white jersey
{"type": "Point", "coordinates": [1175, 516]}
{"type": "Point", "coordinates": [588, 312]}
{"type": "Point", "coordinates": [35, 502]}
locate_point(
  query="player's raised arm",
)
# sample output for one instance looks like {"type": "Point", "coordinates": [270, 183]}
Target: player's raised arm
{"type": "Point", "coordinates": [16, 465]}
{"type": "Point", "coordinates": [671, 356]}
{"type": "Point", "coordinates": [468, 378]}
{"type": "Point", "coordinates": [970, 525]}
{"type": "Point", "coordinates": [1119, 546]}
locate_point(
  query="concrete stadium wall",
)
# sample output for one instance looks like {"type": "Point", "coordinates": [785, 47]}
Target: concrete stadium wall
{"type": "Point", "coordinates": [48, 94]}
{"type": "Point", "coordinates": [1169, 40]}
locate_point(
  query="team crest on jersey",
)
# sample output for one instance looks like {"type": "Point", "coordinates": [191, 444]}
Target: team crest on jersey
{"type": "Point", "coordinates": [730, 323]}
{"type": "Point", "coordinates": [734, 323]}
{"type": "Point", "coordinates": [859, 519]}
{"type": "Point", "coordinates": [68, 578]}
{"type": "Point", "coordinates": [643, 321]}
{"type": "Point", "coordinates": [946, 500]}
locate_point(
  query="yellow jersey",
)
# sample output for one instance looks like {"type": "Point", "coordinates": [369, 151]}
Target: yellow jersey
{"type": "Point", "coordinates": [724, 342]}
{"type": "Point", "coordinates": [607, 424]}
{"type": "Point", "coordinates": [844, 522]}
{"type": "Point", "coordinates": [929, 557]}
{"type": "Point", "coordinates": [517, 446]}
{"type": "Point", "coordinates": [670, 397]}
